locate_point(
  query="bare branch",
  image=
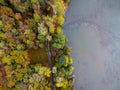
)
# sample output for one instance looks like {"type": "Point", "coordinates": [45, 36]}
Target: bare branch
{"type": "Point", "coordinates": [49, 3]}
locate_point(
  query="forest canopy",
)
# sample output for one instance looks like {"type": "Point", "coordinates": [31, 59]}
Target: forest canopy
{"type": "Point", "coordinates": [34, 54]}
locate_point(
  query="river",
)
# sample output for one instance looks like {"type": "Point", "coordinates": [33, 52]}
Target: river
{"type": "Point", "coordinates": [93, 30]}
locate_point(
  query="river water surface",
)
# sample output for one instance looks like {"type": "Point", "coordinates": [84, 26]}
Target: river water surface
{"type": "Point", "coordinates": [93, 30]}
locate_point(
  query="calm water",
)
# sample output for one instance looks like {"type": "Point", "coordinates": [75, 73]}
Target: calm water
{"type": "Point", "coordinates": [93, 30]}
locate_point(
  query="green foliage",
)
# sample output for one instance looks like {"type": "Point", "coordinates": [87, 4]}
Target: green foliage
{"type": "Point", "coordinates": [63, 60]}
{"type": "Point", "coordinates": [41, 38]}
{"type": "Point", "coordinates": [59, 41]}
{"type": "Point", "coordinates": [28, 42]}
{"type": "Point", "coordinates": [15, 31]}
{"type": "Point", "coordinates": [2, 43]}
{"type": "Point", "coordinates": [20, 47]}
{"type": "Point", "coordinates": [68, 70]}
{"type": "Point", "coordinates": [3, 2]}
{"type": "Point", "coordinates": [20, 6]}
{"type": "Point", "coordinates": [37, 67]}
{"type": "Point", "coordinates": [34, 1]}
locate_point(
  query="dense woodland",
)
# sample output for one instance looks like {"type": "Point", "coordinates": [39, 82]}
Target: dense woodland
{"type": "Point", "coordinates": [34, 54]}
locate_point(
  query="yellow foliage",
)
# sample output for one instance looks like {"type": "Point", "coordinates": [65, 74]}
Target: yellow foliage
{"type": "Point", "coordinates": [59, 6]}
{"type": "Point", "coordinates": [47, 88]}
{"type": "Point", "coordinates": [36, 17]}
{"type": "Point", "coordinates": [2, 35]}
{"type": "Point", "coordinates": [60, 20]}
{"type": "Point", "coordinates": [36, 85]}
{"type": "Point", "coordinates": [19, 56]}
{"type": "Point", "coordinates": [51, 30]}
{"type": "Point", "coordinates": [67, 60]}
{"type": "Point", "coordinates": [59, 30]}
{"type": "Point", "coordinates": [19, 76]}
{"type": "Point", "coordinates": [70, 60]}
{"type": "Point", "coordinates": [71, 68]}
{"type": "Point", "coordinates": [6, 59]}
{"type": "Point", "coordinates": [60, 84]}
{"type": "Point", "coordinates": [1, 23]}
{"type": "Point", "coordinates": [44, 71]}
{"type": "Point", "coordinates": [65, 84]}
{"type": "Point", "coordinates": [1, 53]}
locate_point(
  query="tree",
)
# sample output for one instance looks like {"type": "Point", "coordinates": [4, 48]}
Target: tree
{"type": "Point", "coordinates": [59, 41]}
